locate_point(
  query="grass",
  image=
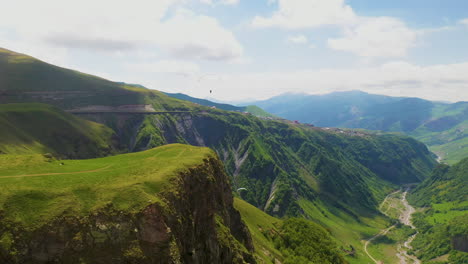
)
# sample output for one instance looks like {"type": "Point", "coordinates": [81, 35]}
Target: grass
{"type": "Point", "coordinates": [257, 111]}
{"type": "Point", "coordinates": [451, 144]}
{"type": "Point", "coordinates": [258, 222]}
{"type": "Point", "coordinates": [444, 212]}
{"type": "Point", "coordinates": [39, 128]}
{"type": "Point", "coordinates": [77, 187]}
{"type": "Point", "coordinates": [384, 248]}
{"type": "Point", "coordinates": [346, 229]}
{"type": "Point", "coordinates": [69, 89]}
{"type": "Point", "coordinates": [291, 240]}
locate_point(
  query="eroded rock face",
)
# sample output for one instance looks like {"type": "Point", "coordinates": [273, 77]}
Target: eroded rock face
{"type": "Point", "coordinates": [195, 223]}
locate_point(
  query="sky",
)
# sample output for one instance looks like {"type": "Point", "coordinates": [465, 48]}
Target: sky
{"type": "Point", "coordinates": [244, 50]}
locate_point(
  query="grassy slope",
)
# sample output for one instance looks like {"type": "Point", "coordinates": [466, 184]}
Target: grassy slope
{"type": "Point", "coordinates": [70, 89]}
{"type": "Point", "coordinates": [205, 102]}
{"type": "Point", "coordinates": [306, 167]}
{"type": "Point", "coordinates": [255, 110]}
{"type": "Point", "coordinates": [77, 187]}
{"type": "Point", "coordinates": [349, 230]}
{"type": "Point", "coordinates": [445, 199]}
{"type": "Point", "coordinates": [451, 144]}
{"type": "Point", "coordinates": [328, 177]}
{"type": "Point", "coordinates": [39, 128]}
{"type": "Point", "coordinates": [443, 127]}
{"type": "Point", "coordinates": [290, 240]}
{"type": "Point", "coordinates": [257, 221]}
{"type": "Point", "coordinates": [385, 247]}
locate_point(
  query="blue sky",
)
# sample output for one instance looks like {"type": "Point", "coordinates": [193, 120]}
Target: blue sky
{"type": "Point", "coordinates": [253, 49]}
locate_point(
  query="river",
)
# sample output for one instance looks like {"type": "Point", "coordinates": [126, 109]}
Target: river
{"type": "Point", "coordinates": [404, 218]}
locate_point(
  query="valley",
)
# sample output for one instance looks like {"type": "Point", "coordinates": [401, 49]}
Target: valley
{"type": "Point", "coordinates": [92, 170]}
{"type": "Point", "coordinates": [395, 206]}
{"type": "Point", "coordinates": [442, 126]}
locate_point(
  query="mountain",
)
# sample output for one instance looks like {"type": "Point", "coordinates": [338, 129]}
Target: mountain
{"type": "Point", "coordinates": [255, 110]}
{"type": "Point", "coordinates": [443, 223]}
{"type": "Point", "coordinates": [332, 177]}
{"type": "Point", "coordinates": [442, 126]}
{"type": "Point", "coordinates": [40, 128]}
{"type": "Point", "coordinates": [288, 241]}
{"type": "Point", "coordinates": [27, 80]}
{"type": "Point", "coordinates": [205, 102]}
{"type": "Point", "coordinates": [171, 204]}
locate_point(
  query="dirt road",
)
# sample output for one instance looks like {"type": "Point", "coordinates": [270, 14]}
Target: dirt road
{"type": "Point", "coordinates": [54, 173]}
{"type": "Point", "coordinates": [404, 218]}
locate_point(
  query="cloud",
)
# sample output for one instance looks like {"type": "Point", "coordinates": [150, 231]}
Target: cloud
{"type": "Point", "coordinates": [71, 41]}
{"type": "Point", "coordinates": [376, 37]}
{"type": "Point", "coordinates": [298, 39]}
{"type": "Point", "coordinates": [301, 14]}
{"type": "Point", "coordinates": [464, 21]}
{"type": "Point", "coordinates": [191, 36]}
{"type": "Point", "coordinates": [93, 25]}
{"type": "Point", "coordinates": [224, 2]}
{"type": "Point", "coordinates": [398, 78]}
{"type": "Point", "coordinates": [183, 68]}
{"type": "Point", "coordinates": [364, 36]}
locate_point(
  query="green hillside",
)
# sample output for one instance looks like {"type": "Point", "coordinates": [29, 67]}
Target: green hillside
{"type": "Point", "coordinates": [278, 162]}
{"type": "Point", "coordinates": [132, 208]}
{"type": "Point", "coordinates": [289, 241]}
{"type": "Point", "coordinates": [40, 128]}
{"type": "Point", "coordinates": [442, 126]}
{"type": "Point", "coordinates": [333, 177]}
{"type": "Point", "coordinates": [443, 224]}
{"type": "Point", "coordinates": [257, 111]}
{"type": "Point", "coordinates": [36, 188]}
{"type": "Point", "coordinates": [252, 109]}
{"type": "Point", "coordinates": [25, 79]}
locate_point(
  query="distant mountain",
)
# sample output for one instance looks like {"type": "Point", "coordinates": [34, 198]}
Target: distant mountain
{"type": "Point", "coordinates": [255, 110]}
{"type": "Point", "coordinates": [332, 177]}
{"type": "Point", "coordinates": [442, 126]}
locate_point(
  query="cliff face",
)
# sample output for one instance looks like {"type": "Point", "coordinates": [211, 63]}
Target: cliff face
{"type": "Point", "coordinates": [193, 221]}
{"type": "Point", "coordinates": [278, 162]}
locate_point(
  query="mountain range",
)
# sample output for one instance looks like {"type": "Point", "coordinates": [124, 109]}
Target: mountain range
{"type": "Point", "coordinates": [442, 126]}
{"type": "Point", "coordinates": [266, 183]}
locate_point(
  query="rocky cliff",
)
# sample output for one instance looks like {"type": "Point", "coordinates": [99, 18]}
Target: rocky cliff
{"type": "Point", "coordinates": [192, 220]}
{"type": "Point", "coordinates": [277, 162]}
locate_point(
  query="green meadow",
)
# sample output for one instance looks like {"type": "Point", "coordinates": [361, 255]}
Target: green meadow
{"type": "Point", "coordinates": [37, 188]}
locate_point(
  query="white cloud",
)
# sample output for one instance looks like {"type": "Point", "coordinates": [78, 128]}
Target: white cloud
{"type": "Point", "coordinates": [230, 2]}
{"type": "Point", "coordinates": [192, 36]}
{"type": "Point", "coordinates": [438, 82]}
{"type": "Point", "coordinates": [376, 37]}
{"type": "Point", "coordinates": [364, 36]}
{"type": "Point", "coordinates": [118, 25]}
{"type": "Point", "coordinates": [300, 14]}
{"type": "Point", "coordinates": [224, 2]}
{"type": "Point", "coordinates": [184, 68]}
{"type": "Point", "coordinates": [298, 39]}
{"type": "Point", "coordinates": [464, 21]}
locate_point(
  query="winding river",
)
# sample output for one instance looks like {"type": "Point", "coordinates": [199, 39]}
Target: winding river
{"type": "Point", "coordinates": [405, 218]}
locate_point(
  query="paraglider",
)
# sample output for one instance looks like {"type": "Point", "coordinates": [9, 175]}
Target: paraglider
{"type": "Point", "coordinates": [211, 91]}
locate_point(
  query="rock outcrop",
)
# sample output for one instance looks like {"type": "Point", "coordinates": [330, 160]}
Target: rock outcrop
{"type": "Point", "coordinates": [191, 221]}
